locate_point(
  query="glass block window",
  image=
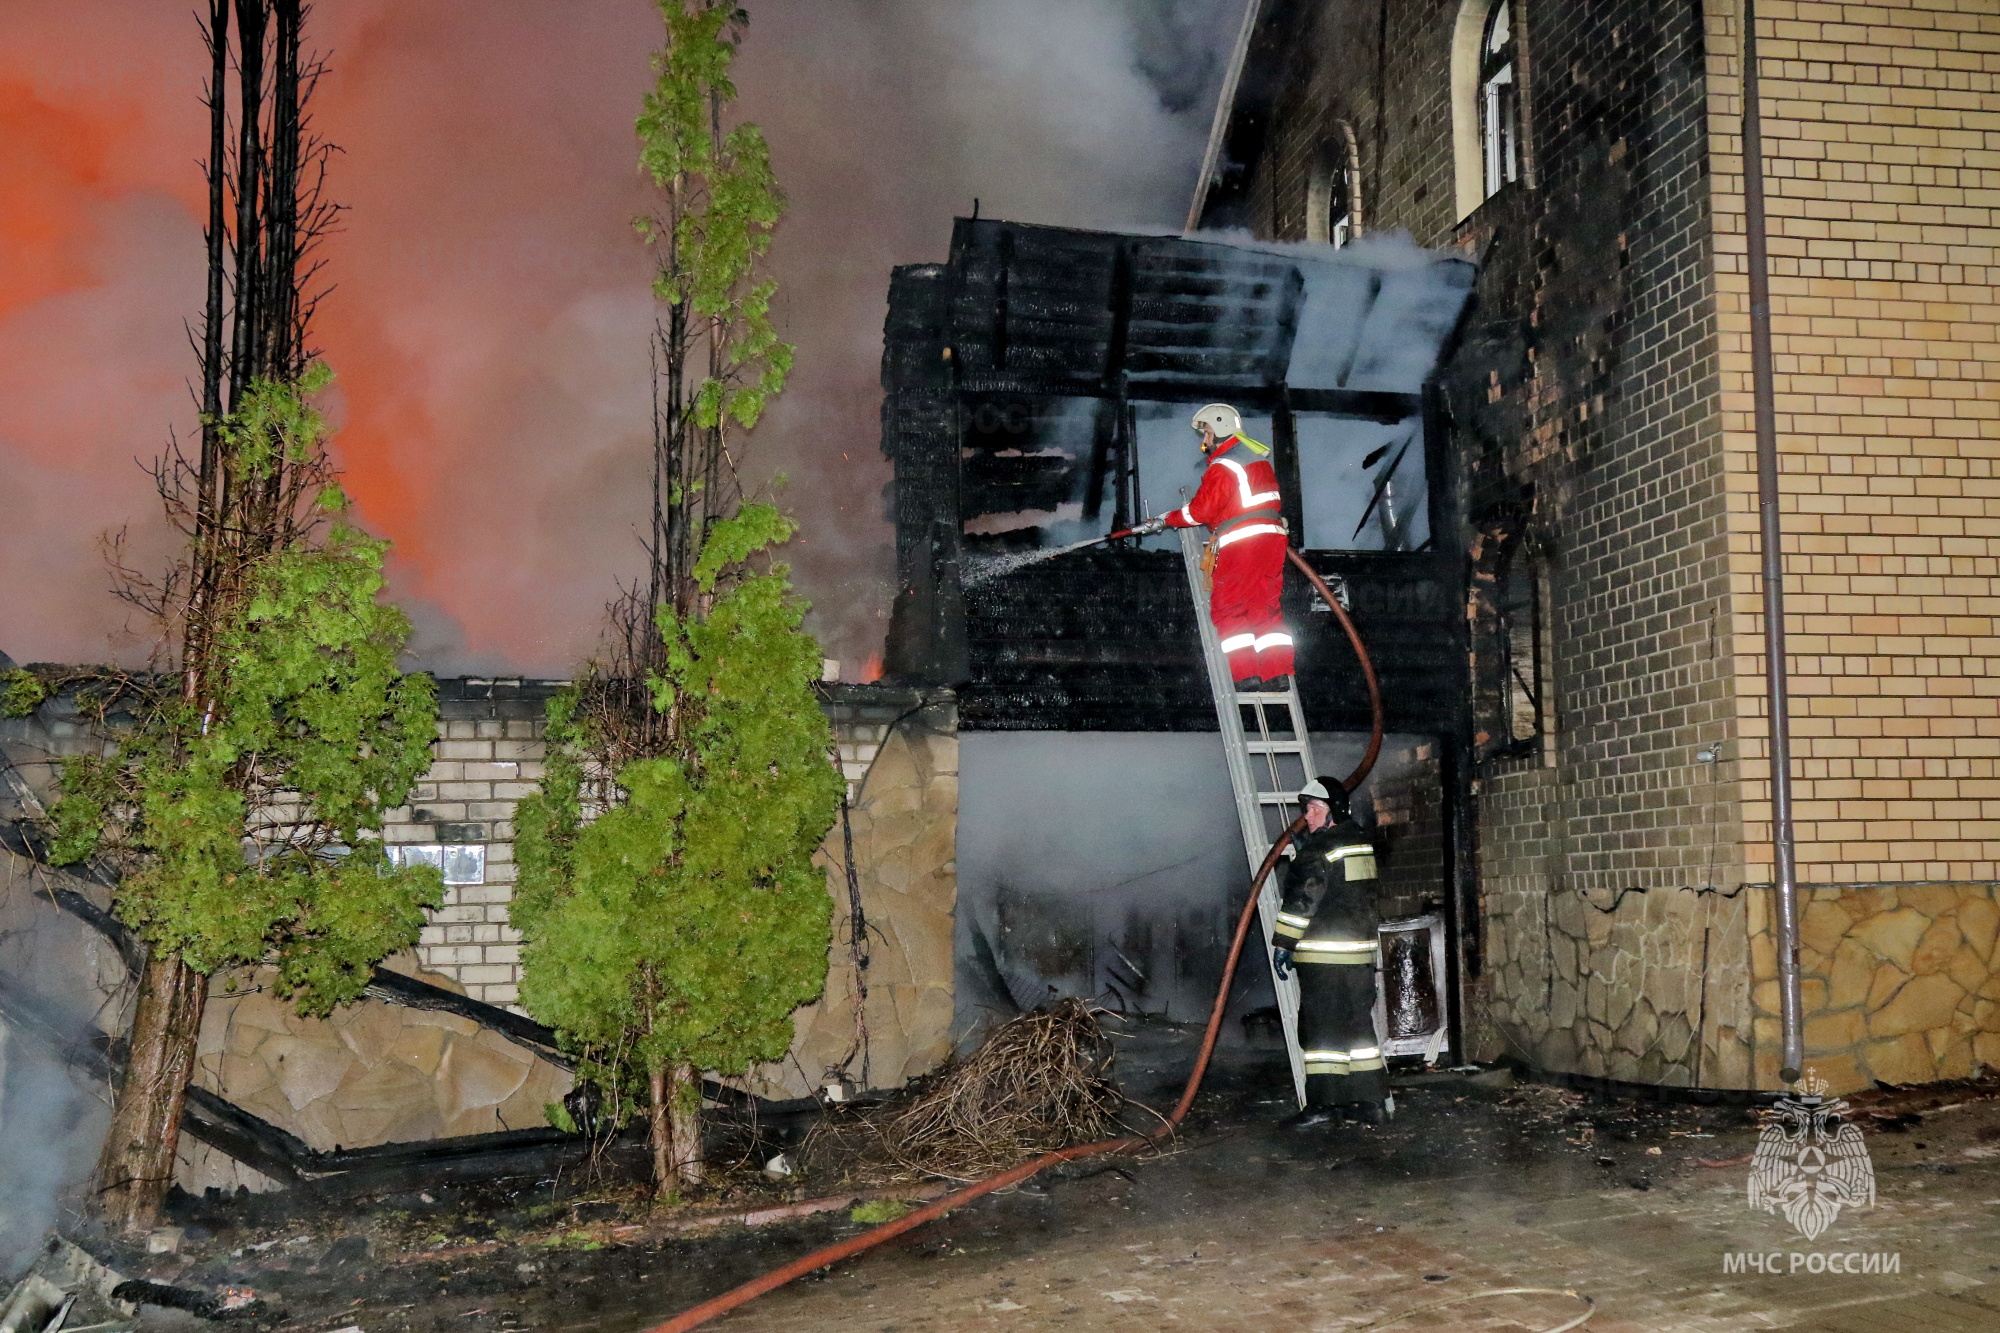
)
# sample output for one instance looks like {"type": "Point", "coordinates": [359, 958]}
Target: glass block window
{"type": "Point", "coordinates": [461, 863]}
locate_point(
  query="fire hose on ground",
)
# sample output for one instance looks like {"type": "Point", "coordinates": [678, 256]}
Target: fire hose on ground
{"type": "Point", "coordinates": [868, 1240]}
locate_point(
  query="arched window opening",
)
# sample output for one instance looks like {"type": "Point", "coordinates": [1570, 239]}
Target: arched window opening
{"type": "Point", "coordinates": [1333, 191]}
{"type": "Point", "coordinates": [1330, 205]}
{"type": "Point", "coordinates": [1499, 99]}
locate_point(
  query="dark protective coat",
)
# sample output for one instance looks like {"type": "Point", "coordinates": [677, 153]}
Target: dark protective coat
{"type": "Point", "coordinates": [1327, 919]}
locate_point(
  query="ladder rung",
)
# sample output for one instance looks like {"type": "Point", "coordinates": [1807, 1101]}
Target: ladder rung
{"type": "Point", "coordinates": [1248, 726]}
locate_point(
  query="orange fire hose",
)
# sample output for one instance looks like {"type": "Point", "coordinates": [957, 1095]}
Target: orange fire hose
{"type": "Point", "coordinates": [1367, 764]}
{"type": "Point", "coordinates": [868, 1240]}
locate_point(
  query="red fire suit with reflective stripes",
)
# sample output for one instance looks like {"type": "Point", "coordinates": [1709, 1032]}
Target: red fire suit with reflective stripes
{"type": "Point", "coordinates": [1238, 503]}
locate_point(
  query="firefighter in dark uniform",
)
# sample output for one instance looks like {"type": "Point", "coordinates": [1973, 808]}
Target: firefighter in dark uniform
{"type": "Point", "coordinates": [1326, 929]}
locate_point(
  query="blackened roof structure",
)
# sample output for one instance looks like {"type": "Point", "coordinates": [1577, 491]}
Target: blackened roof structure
{"type": "Point", "coordinates": [1034, 385]}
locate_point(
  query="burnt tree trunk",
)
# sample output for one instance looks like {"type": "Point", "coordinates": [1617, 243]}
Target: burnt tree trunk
{"type": "Point", "coordinates": [265, 213]}
{"type": "Point", "coordinates": [137, 1164]}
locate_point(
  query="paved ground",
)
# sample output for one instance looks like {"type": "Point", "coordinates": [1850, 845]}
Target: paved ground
{"type": "Point", "coordinates": [1475, 1186]}
{"type": "Point", "coordinates": [1255, 1232]}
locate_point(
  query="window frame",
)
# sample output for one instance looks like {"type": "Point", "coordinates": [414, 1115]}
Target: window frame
{"type": "Point", "coordinates": [1335, 179]}
{"type": "Point", "coordinates": [1523, 591]}
{"type": "Point", "coordinates": [1499, 102]}
{"type": "Point", "coordinates": [1470, 75]}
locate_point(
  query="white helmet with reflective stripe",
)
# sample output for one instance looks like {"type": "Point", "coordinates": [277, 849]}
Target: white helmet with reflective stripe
{"type": "Point", "coordinates": [1223, 419]}
{"type": "Point", "coordinates": [1330, 790]}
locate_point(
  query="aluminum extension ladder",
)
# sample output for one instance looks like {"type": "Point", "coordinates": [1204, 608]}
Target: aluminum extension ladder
{"type": "Point", "coordinates": [1269, 751]}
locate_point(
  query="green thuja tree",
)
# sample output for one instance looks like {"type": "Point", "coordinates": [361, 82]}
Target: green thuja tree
{"type": "Point", "coordinates": [719, 360]}
{"type": "Point", "coordinates": [678, 929]}
{"type": "Point", "coordinates": [672, 917]}
{"type": "Point", "coordinates": [240, 808]}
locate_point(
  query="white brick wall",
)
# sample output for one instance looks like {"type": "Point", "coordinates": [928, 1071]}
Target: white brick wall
{"type": "Point", "coordinates": [489, 756]}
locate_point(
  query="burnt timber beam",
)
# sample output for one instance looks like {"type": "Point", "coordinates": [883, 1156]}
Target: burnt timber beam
{"type": "Point", "coordinates": [1359, 404]}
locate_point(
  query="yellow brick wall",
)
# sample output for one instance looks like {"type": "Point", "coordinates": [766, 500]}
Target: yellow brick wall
{"type": "Point", "coordinates": [1882, 164]}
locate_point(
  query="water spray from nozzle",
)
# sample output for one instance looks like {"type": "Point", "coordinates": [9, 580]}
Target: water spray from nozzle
{"type": "Point", "coordinates": [993, 566]}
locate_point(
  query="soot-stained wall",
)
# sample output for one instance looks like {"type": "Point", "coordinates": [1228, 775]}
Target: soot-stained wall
{"type": "Point", "coordinates": [1038, 390]}
{"type": "Point", "coordinates": [1600, 462]}
{"type": "Point", "coordinates": [1110, 865]}
{"type": "Point", "coordinates": [1581, 411]}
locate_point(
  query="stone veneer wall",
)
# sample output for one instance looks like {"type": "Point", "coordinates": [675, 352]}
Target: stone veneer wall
{"type": "Point", "coordinates": [1901, 983]}
{"type": "Point", "coordinates": [378, 1073]}
{"type": "Point", "coordinates": [1618, 986]}
{"type": "Point", "coordinates": [1580, 408]}
{"type": "Point", "coordinates": [374, 1072]}
{"type": "Point", "coordinates": [901, 756]}
{"type": "Point", "coordinates": [369, 1073]}
{"type": "Point", "coordinates": [490, 751]}
{"type": "Point", "coordinates": [489, 756]}
{"type": "Point", "coordinates": [1592, 387]}
{"type": "Point", "coordinates": [1599, 410]}
{"type": "Point", "coordinates": [1882, 151]}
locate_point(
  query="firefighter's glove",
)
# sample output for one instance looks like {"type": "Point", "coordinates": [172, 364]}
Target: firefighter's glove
{"type": "Point", "coordinates": [1281, 962]}
{"type": "Point", "coordinates": [1152, 527]}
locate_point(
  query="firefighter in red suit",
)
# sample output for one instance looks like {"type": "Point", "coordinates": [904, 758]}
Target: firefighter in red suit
{"type": "Point", "coordinates": [1238, 504]}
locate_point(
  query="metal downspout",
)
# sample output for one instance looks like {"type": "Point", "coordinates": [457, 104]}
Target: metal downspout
{"type": "Point", "coordinates": [1777, 691]}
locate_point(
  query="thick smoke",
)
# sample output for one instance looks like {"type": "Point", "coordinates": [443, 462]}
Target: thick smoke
{"type": "Point", "coordinates": [489, 319]}
{"type": "Point", "coordinates": [61, 985]}
{"type": "Point", "coordinates": [52, 1128]}
{"type": "Point", "coordinates": [1109, 864]}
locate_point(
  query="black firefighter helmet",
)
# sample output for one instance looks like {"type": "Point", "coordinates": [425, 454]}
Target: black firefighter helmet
{"type": "Point", "coordinates": [1331, 791]}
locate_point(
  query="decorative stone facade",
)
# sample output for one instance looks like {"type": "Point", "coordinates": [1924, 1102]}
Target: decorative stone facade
{"type": "Point", "coordinates": [1901, 984]}
{"type": "Point", "coordinates": [898, 751]}
{"type": "Point", "coordinates": [904, 817]}
{"type": "Point", "coordinates": [1643, 988]}
{"type": "Point", "coordinates": [369, 1073]}
{"type": "Point", "coordinates": [489, 755]}
{"type": "Point", "coordinates": [375, 1072]}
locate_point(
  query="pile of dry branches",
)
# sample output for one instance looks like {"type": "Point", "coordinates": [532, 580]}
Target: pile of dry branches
{"type": "Point", "coordinates": [1037, 1083]}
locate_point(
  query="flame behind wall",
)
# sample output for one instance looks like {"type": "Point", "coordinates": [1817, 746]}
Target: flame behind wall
{"type": "Point", "coordinates": [489, 319]}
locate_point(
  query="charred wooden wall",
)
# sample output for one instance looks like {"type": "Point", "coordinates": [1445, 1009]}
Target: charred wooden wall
{"type": "Point", "coordinates": [1107, 641]}
{"type": "Point", "coordinates": [1026, 321]}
